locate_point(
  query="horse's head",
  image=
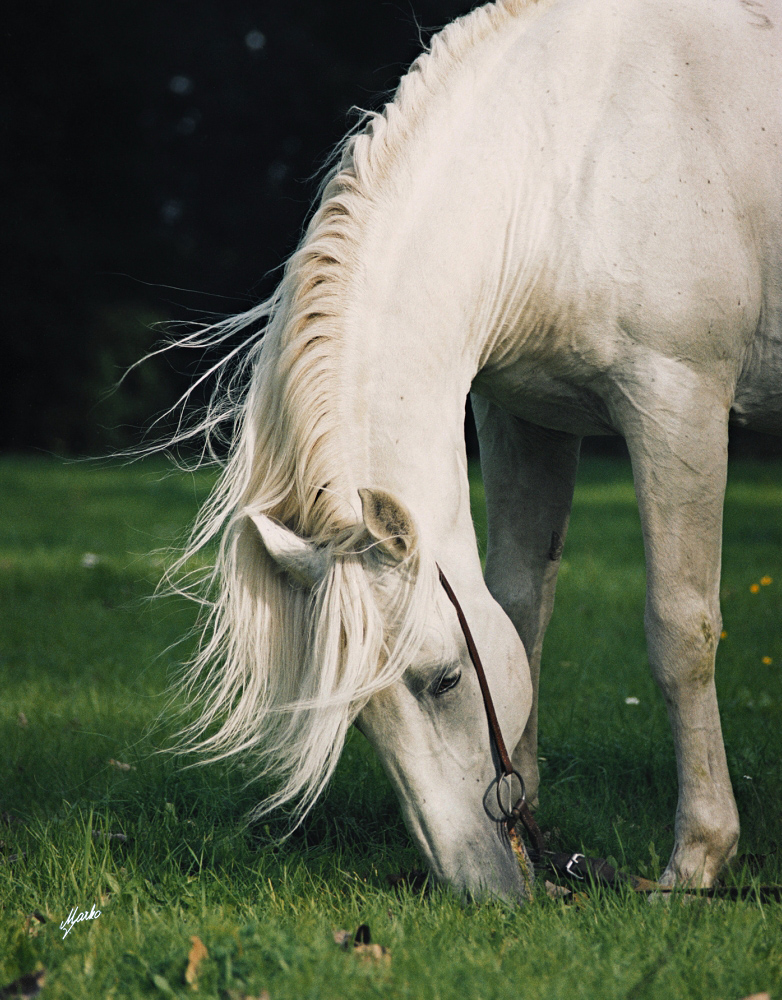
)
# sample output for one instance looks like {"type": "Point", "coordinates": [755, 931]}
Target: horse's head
{"type": "Point", "coordinates": [426, 718]}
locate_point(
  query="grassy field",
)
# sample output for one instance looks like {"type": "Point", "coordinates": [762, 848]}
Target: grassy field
{"type": "Point", "coordinates": [91, 815]}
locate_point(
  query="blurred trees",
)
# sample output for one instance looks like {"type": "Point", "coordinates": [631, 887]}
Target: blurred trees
{"type": "Point", "coordinates": [157, 161]}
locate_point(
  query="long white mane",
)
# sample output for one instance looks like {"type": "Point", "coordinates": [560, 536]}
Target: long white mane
{"type": "Point", "coordinates": [281, 673]}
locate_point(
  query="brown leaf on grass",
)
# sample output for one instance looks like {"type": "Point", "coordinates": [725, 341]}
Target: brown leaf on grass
{"type": "Point", "coordinates": [32, 923]}
{"type": "Point", "coordinates": [21, 721]}
{"type": "Point", "coordinates": [373, 953]}
{"type": "Point", "coordinates": [361, 944]}
{"type": "Point", "coordinates": [343, 939]}
{"type": "Point", "coordinates": [25, 986]}
{"type": "Point", "coordinates": [197, 954]}
{"type": "Point", "coordinates": [556, 891]}
{"type": "Point", "coordinates": [758, 996]}
{"type": "Point", "coordinates": [118, 765]}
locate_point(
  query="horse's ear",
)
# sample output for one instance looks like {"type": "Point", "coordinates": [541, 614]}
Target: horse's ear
{"type": "Point", "coordinates": [303, 561]}
{"type": "Point", "coordinates": [389, 522]}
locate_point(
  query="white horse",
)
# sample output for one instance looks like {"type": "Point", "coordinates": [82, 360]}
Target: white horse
{"type": "Point", "coordinates": [571, 208]}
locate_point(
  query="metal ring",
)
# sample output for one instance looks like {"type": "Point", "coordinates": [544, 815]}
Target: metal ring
{"type": "Point", "coordinates": [508, 813]}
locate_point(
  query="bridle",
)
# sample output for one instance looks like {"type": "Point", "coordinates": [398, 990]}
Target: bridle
{"type": "Point", "coordinates": [520, 810]}
{"type": "Point", "coordinates": [570, 866]}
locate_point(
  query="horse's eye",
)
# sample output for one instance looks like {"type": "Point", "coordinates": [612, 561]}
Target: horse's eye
{"type": "Point", "coordinates": [447, 682]}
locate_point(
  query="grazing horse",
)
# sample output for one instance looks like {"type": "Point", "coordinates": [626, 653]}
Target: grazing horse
{"type": "Point", "coordinates": [571, 209]}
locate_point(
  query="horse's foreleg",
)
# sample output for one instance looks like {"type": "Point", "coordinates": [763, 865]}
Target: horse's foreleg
{"type": "Point", "coordinates": [677, 431]}
{"type": "Point", "coordinates": [528, 474]}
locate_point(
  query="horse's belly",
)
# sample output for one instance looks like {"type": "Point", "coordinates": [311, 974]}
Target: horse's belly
{"type": "Point", "coordinates": [545, 400]}
{"type": "Point", "coordinates": [758, 399]}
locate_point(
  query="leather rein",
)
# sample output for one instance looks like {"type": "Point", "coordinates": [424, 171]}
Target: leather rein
{"type": "Point", "coordinates": [570, 866]}
{"type": "Point", "coordinates": [520, 810]}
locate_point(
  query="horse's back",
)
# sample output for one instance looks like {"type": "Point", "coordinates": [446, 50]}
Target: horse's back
{"type": "Point", "coordinates": [659, 133]}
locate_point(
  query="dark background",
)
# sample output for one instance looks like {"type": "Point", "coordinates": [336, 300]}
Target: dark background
{"type": "Point", "coordinates": [157, 161]}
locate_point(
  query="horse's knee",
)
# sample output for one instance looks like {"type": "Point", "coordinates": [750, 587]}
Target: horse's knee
{"type": "Point", "coordinates": [682, 638]}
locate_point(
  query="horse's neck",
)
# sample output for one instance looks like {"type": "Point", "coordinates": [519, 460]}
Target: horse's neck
{"type": "Point", "coordinates": [403, 415]}
{"type": "Point", "coordinates": [428, 305]}
{"type": "Point", "coordinates": [433, 294]}
{"type": "Point", "coordinates": [413, 349]}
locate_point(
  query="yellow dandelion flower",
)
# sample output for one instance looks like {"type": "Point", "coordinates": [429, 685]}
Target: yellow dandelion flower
{"type": "Point", "coordinates": [766, 580]}
{"type": "Point", "coordinates": [723, 634]}
{"type": "Point", "coordinates": [767, 661]}
{"type": "Point", "coordinates": [754, 588]}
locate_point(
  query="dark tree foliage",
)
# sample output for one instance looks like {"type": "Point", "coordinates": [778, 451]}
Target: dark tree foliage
{"type": "Point", "coordinates": [157, 160]}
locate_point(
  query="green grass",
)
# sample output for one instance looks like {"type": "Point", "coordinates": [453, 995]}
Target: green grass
{"type": "Point", "coordinates": [84, 655]}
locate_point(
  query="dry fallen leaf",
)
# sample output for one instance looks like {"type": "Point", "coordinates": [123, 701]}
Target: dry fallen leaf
{"type": "Point", "coordinates": [556, 891]}
{"type": "Point", "coordinates": [118, 765]}
{"type": "Point", "coordinates": [373, 953]}
{"type": "Point", "coordinates": [197, 954]}
{"type": "Point", "coordinates": [758, 996]}
{"type": "Point", "coordinates": [25, 986]}
{"type": "Point", "coordinates": [343, 939]}
{"type": "Point", "coordinates": [21, 721]}
{"type": "Point", "coordinates": [361, 944]}
{"type": "Point", "coordinates": [33, 923]}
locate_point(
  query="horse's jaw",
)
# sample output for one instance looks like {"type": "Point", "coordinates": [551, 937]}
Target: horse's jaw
{"type": "Point", "coordinates": [441, 764]}
{"type": "Point", "coordinates": [457, 828]}
{"type": "Point", "coordinates": [479, 864]}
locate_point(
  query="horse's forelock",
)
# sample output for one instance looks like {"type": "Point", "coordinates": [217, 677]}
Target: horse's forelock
{"type": "Point", "coordinates": [283, 672]}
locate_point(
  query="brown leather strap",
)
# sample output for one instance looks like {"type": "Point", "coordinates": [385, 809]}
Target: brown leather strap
{"type": "Point", "coordinates": [520, 810]}
{"type": "Point", "coordinates": [494, 725]}
{"type": "Point", "coordinates": [572, 866]}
